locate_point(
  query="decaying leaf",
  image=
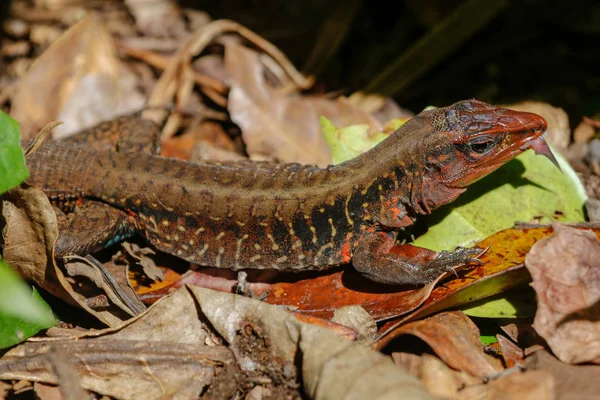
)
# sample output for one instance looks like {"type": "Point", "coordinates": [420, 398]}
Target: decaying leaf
{"type": "Point", "coordinates": [440, 379]}
{"type": "Point", "coordinates": [512, 354]}
{"type": "Point", "coordinates": [332, 367]}
{"type": "Point", "coordinates": [93, 88]}
{"type": "Point", "coordinates": [565, 269]}
{"type": "Point", "coordinates": [277, 123]}
{"type": "Point", "coordinates": [455, 339]}
{"type": "Point", "coordinates": [185, 329]}
{"type": "Point", "coordinates": [29, 235]}
{"type": "Point", "coordinates": [572, 382]}
{"type": "Point", "coordinates": [533, 385]}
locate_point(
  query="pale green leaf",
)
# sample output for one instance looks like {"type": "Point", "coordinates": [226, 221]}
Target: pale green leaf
{"type": "Point", "coordinates": [519, 303]}
{"type": "Point", "coordinates": [348, 142]}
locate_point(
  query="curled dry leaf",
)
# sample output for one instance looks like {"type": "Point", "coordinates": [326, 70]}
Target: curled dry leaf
{"type": "Point", "coordinates": [332, 367]}
{"type": "Point", "coordinates": [29, 234]}
{"type": "Point", "coordinates": [94, 88]}
{"type": "Point", "coordinates": [157, 18]}
{"type": "Point", "coordinates": [512, 354]}
{"type": "Point", "coordinates": [176, 83]}
{"type": "Point", "coordinates": [455, 339]}
{"type": "Point", "coordinates": [565, 269]}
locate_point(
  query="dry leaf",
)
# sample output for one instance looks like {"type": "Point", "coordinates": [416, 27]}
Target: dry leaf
{"type": "Point", "coordinates": [438, 378]}
{"type": "Point", "coordinates": [512, 354]}
{"type": "Point", "coordinates": [29, 236]}
{"type": "Point", "coordinates": [332, 367]}
{"type": "Point", "coordinates": [565, 269]}
{"type": "Point", "coordinates": [278, 123]}
{"type": "Point", "coordinates": [267, 342]}
{"type": "Point", "coordinates": [455, 339]}
{"type": "Point", "coordinates": [357, 318]}
{"type": "Point", "coordinates": [170, 339]}
{"type": "Point", "coordinates": [533, 385]}
{"type": "Point", "coordinates": [92, 87]}
{"type": "Point", "coordinates": [572, 382]}
{"type": "Point", "coordinates": [157, 17]}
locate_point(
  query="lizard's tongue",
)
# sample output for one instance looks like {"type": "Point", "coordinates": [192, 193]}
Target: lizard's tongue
{"type": "Point", "coordinates": [540, 147]}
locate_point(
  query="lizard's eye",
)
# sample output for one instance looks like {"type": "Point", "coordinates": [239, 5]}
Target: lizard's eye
{"type": "Point", "coordinates": [481, 147]}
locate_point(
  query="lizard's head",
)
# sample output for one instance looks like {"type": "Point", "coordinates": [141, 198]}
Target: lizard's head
{"type": "Point", "coordinates": [472, 139]}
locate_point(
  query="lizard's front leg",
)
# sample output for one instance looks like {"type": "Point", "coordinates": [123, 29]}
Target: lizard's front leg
{"type": "Point", "coordinates": [90, 228]}
{"type": "Point", "coordinates": [372, 258]}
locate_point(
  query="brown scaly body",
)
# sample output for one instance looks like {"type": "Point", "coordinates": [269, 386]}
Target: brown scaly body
{"type": "Point", "coordinates": [289, 216]}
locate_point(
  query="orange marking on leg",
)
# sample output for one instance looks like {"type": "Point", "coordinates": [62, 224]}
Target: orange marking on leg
{"type": "Point", "coordinates": [346, 253]}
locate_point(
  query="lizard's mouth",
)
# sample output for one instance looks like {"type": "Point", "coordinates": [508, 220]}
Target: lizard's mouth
{"type": "Point", "coordinates": [540, 147]}
{"type": "Point", "coordinates": [536, 143]}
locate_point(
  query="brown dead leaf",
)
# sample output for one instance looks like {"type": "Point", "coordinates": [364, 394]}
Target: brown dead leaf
{"type": "Point", "coordinates": [278, 123]}
{"type": "Point", "coordinates": [93, 88]}
{"type": "Point", "coordinates": [409, 362]}
{"type": "Point", "coordinates": [583, 132]}
{"type": "Point", "coordinates": [176, 340]}
{"type": "Point", "coordinates": [512, 354]}
{"type": "Point", "coordinates": [455, 339]}
{"type": "Point", "coordinates": [142, 256]}
{"type": "Point", "coordinates": [357, 318]}
{"type": "Point", "coordinates": [323, 294]}
{"type": "Point", "coordinates": [332, 367]}
{"type": "Point", "coordinates": [170, 339]}
{"type": "Point", "coordinates": [157, 18]}
{"type": "Point", "coordinates": [533, 385]}
{"type": "Point", "coordinates": [565, 269]}
{"type": "Point", "coordinates": [29, 235]}
{"type": "Point", "coordinates": [572, 382]}
{"type": "Point", "coordinates": [440, 379]}
{"type": "Point", "coordinates": [112, 367]}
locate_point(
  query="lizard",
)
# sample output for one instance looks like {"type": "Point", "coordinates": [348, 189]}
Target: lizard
{"type": "Point", "coordinates": [287, 216]}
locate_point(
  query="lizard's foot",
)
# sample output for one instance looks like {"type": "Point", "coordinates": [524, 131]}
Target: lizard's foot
{"type": "Point", "coordinates": [451, 261]}
{"type": "Point", "coordinates": [407, 264]}
{"type": "Point", "coordinates": [242, 288]}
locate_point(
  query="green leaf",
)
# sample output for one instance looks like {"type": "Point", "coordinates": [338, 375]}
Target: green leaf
{"type": "Point", "coordinates": [487, 340]}
{"type": "Point", "coordinates": [23, 313]}
{"type": "Point", "coordinates": [518, 303]}
{"type": "Point", "coordinates": [528, 187]}
{"type": "Point", "coordinates": [346, 143]}
{"type": "Point", "coordinates": [12, 161]}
